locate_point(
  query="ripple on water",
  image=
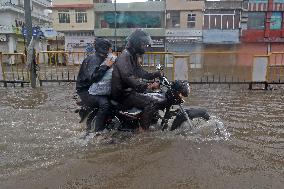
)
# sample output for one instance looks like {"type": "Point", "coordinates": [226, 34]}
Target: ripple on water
{"type": "Point", "coordinates": [39, 128]}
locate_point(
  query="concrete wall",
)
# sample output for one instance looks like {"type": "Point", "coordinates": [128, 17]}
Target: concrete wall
{"type": "Point", "coordinates": [8, 18]}
{"type": "Point", "coordinates": [73, 26]}
{"type": "Point", "coordinates": [4, 47]}
{"type": "Point", "coordinates": [221, 36]}
{"type": "Point", "coordinates": [64, 2]}
{"type": "Point", "coordinates": [183, 19]}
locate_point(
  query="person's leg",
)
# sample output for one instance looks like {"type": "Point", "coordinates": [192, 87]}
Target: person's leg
{"type": "Point", "coordinates": [102, 114]}
{"type": "Point", "coordinates": [103, 105]}
{"type": "Point", "coordinates": [146, 103]}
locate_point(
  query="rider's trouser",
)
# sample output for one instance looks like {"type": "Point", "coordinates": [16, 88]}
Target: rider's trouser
{"type": "Point", "coordinates": [147, 104]}
{"type": "Point", "coordinates": [102, 103]}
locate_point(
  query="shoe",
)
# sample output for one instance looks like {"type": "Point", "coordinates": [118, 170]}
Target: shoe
{"type": "Point", "coordinates": [83, 113]}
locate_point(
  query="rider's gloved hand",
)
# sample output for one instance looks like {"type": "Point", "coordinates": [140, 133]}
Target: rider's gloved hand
{"type": "Point", "coordinates": [110, 59]}
{"type": "Point", "coordinates": [154, 85]}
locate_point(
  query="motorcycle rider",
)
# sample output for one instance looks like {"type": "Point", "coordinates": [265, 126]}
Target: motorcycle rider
{"type": "Point", "coordinates": [127, 85]}
{"type": "Point", "coordinates": [92, 70]}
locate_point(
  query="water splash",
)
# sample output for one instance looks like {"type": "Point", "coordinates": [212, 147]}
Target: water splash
{"type": "Point", "coordinates": [211, 130]}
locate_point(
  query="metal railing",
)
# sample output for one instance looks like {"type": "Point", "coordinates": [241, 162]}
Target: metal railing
{"type": "Point", "coordinates": [202, 67]}
{"type": "Point", "coordinates": [276, 67]}
{"type": "Point", "coordinates": [14, 69]}
{"type": "Point", "coordinates": [59, 66]}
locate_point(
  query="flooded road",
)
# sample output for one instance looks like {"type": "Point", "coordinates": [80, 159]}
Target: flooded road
{"type": "Point", "coordinates": [40, 145]}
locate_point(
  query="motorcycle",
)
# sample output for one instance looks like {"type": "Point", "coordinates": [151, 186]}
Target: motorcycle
{"type": "Point", "coordinates": [170, 95]}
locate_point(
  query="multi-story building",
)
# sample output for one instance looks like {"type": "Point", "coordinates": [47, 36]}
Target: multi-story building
{"type": "Point", "coordinates": [117, 21]}
{"type": "Point", "coordinates": [12, 21]}
{"type": "Point", "coordinates": [221, 23]}
{"type": "Point", "coordinates": [184, 21]}
{"type": "Point", "coordinates": [76, 20]}
{"type": "Point", "coordinates": [263, 28]}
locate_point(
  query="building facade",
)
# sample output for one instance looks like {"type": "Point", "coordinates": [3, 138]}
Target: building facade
{"type": "Point", "coordinates": [76, 20]}
{"type": "Point", "coordinates": [117, 21]}
{"type": "Point", "coordinates": [221, 22]}
{"type": "Point", "coordinates": [263, 30]}
{"type": "Point", "coordinates": [12, 22]}
{"type": "Point", "coordinates": [184, 22]}
{"type": "Point", "coordinates": [175, 25]}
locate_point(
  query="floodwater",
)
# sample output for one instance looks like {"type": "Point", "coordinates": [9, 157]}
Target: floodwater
{"type": "Point", "coordinates": [40, 144]}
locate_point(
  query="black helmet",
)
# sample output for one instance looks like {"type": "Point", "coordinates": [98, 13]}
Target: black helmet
{"type": "Point", "coordinates": [139, 40]}
{"type": "Point", "coordinates": [102, 46]}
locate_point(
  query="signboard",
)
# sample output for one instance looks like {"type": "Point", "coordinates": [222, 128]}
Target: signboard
{"type": "Point", "coordinates": [275, 21]}
{"type": "Point", "coordinates": [36, 32]}
{"type": "Point", "coordinates": [158, 42]}
{"type": "Point", "coordinates": [183, 33]}
{"type": "Point", "coordinates": [259, 68]}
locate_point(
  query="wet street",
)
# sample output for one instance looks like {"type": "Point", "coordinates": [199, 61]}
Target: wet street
{"type": "Point", "coordinates": [40, 144]}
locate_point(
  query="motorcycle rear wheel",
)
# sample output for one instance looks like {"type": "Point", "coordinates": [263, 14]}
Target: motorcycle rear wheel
{"type": "Point", "coordinates": [112, 122]}
{"type": "Point", "coordinates": [196, 114]}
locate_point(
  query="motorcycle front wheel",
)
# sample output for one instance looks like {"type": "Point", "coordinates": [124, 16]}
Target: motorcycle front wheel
{"type": "Point", "coordinates": [197, 114]}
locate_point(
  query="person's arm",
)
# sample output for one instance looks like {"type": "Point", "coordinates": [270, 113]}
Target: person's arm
{"type": "Point", "coordinates": [126, 69]}
{"type": "Point", "coordinates": [145, 74]}
{"type": "Point", "coordinates": [99, 71]}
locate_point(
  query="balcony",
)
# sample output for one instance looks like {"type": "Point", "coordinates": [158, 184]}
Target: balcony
{"type": "Point", "coordinates": [150, 6]}
{"type": "Point", "coordinates": [183, 33]}
{"type": "Point", "coordinates": [20, 9]}
{"type": "Point", "coordinates": [123, 32]}
{"type": "Point", "coordinates": [44, 3]}
{"type": "Point", "coordinates": [6, 29]}
{"type": "Point", "coordinates": [221, 36]}
{"type": "Point", "coordinates": [223, 5]}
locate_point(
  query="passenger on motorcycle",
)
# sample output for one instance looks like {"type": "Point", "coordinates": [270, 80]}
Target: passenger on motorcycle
{"type": "Point", "coordinates": [92, 70]}
{"type": "Point", "coordinates": [127, 86]}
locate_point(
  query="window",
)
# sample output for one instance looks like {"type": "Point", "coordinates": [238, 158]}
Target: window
{"type": "Point", "coordinates": [64, 16]}
{"type": "Point", "coordinates": [256, 20]}
{"type": "Point", "coordinates": [191, 19]}
{"type": "Point", "coordinates": [175, 17]}
{"type": "Point", "coordinates": [275, 21]}
{"type": "Point", "coordinates": [81, 16]}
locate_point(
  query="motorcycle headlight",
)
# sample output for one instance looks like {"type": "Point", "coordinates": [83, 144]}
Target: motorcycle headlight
{"type": "Point", "coordinates": [181, 87]}
{"type": "Point", "coordinates": [185, 90]}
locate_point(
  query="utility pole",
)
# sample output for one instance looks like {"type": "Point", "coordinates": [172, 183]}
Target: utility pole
{"type": "Point", "coordinates": [115, 35]}
{"type": "Point", "coordinates": [29, 28]}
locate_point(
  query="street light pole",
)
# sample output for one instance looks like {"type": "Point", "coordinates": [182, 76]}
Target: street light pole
{"type": "Point", "coordinates": [115, 42]}
{"type": "Point", "coordinates": [29, 27]}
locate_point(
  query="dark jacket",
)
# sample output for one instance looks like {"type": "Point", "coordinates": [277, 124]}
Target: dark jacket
{"type": "Point", "coordinates": [127, 74]}
{"type": "Point", "coordinates": [90, 71]}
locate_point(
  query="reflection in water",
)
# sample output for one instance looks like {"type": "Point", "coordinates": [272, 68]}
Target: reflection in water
{"type": "Point", "coordinates": [241, 146]}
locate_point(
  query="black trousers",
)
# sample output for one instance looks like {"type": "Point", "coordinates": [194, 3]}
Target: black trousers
{"type": "Point", "coordinates": [141, 101]}
{"type": "Point", "coordinates": [102, 102]}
